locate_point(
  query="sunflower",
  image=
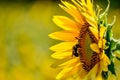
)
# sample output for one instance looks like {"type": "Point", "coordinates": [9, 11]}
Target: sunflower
{"type": "Point", "coordinates": [76, 62]}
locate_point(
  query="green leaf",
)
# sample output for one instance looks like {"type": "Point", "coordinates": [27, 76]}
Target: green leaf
{"type": "Point", "coordinates": [113, 44]}
{"type": "Point", "coordinates": [105, 74]}
{"type": "Point", "coordinates": [113, 22]}
{"type": "Point", "coordinates": [108, 34]}
{"type": "Point", "coordinates": [118, 46]}
{"type": "Point", "coordinates": [103, 16]}
{"type": "Point", "coordinates": [118, 58]}
{"type": "Point", "coordinates": [112, 68]}
{"type": "Point", "coordinates": [106, 11]}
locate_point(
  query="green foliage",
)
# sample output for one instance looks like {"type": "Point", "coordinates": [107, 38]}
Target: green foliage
{"type": "Point", "coordinates": [112, 68]}
{"type": "Point", "coordinates": [118, 58]}
{"type": "Point", "coordinates": [105, 74]}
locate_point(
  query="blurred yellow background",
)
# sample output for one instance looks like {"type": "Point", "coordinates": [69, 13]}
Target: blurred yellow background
{"type": "Point", "coordinates": [24, 41]}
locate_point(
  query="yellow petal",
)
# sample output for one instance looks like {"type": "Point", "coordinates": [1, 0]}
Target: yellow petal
{"type": "Point", "coordinates": [89, 3]}
{"type": "Point", "coordinates": [83, 2]}
{"type": "Point", "coordinates": [61, 55]}
{"type": "Point", "coordinates": [95, 48]}
{"type": "Point", "coordinates": [64, 71]}
{"type": "Point", "coordinates": [100, 43]}
{"type": "Point", "coordinates": [76, 68]}
{"type": "Point", "coordinates": [66, 23]}
{"type": "Point", "coordinates": [63, 46]}
{"type": "Point", "coordinates": [93, 72]}
{"type": "Point", "coordinates": [70, 71]}
{"type": "Point", "coordinates": [73, 11]}
{"type": "Point", "coordinates": [102, 31]}
{"type": "Point", "coordinates": [104, 41]}
{"type": "Point", "coordinates": [82, 74]}
{"type": "Point", "coordinates": [60, 61]}
{"type": "Point", "coordinates": [64, 35]}
{"type": "Point", "coordinates": [86, 8]}
{"type": "Point", "coordinates": [99, 77]}
{"type": "Point", "coordinates": [113, 77]}
{"type": "Point", "coordinates": [88, 12]}
{"type": "Point", "coordinates": [71, 62]}
{"type": "Point", "coordinates": [90, 8]}
{"type": "Point", "coordinates": [91, 20]}
{"type": "Point", "coordinates": [105, 61]}
{"type": "Point", "coordinates": [94, 31]}
{"type": "Point", "coordinates": [79, 5]}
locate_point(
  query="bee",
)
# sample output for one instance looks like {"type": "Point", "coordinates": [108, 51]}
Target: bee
{"type": "Point", "coordinates": [75, 50]}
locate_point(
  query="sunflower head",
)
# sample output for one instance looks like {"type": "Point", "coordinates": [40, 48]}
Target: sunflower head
{"type": "Point", "coordinates": [86, 50]}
